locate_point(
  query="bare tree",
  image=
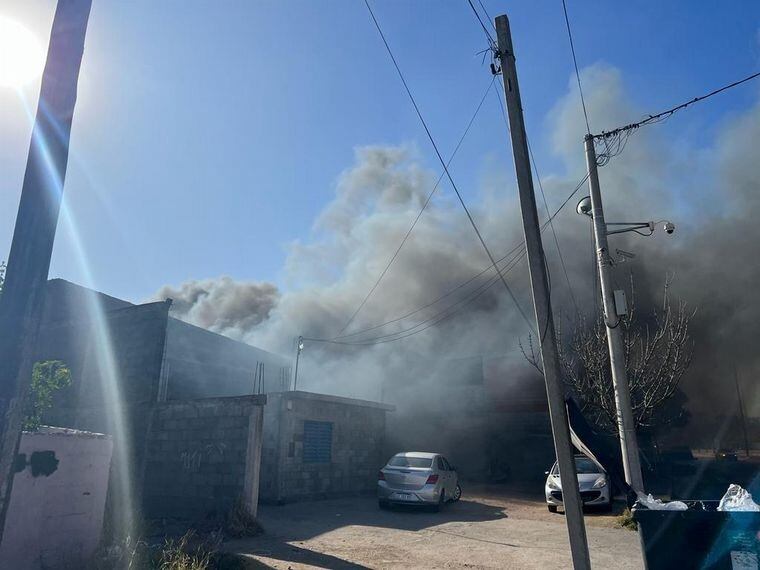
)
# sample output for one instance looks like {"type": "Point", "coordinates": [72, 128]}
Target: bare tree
{"type": "Point", "coordinates": [658, 351]}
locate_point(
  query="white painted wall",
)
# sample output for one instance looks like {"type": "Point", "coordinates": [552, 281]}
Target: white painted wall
{"type": "Point", "coordinates": [55, 521]}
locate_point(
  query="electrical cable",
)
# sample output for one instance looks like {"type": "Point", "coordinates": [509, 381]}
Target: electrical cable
{"type": "Point", "coordinates": [491, 41]}
{"type": "Point", "coordinates": [546, 204]}
{"type": "Point", "coordinates": [614, 141]}
{"type": "Point", "coordinates": [419, 215]}
{"type": "Point", "coordinates": [435, 301]}
{"type": "Point", "coordinates": [659, 117]}
{"type": "Point", "coordinates": [488, 16]}
{"type": "Point", "coordinates": [575, 63]}
{"type": "Point", "coordinates": [442, 314]}
{"type": "Point", "coordinates": [443, 163]}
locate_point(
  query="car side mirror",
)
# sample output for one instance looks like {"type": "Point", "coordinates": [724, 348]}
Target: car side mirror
{"type": "Point", "coordinates": [546, 472]}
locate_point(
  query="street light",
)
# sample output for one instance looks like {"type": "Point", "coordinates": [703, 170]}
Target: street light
{"type": "Point", "coordinates": [299, 348]}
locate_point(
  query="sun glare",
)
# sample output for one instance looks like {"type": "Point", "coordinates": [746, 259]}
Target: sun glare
{"type": "Point", "coordinates": [21, 55]}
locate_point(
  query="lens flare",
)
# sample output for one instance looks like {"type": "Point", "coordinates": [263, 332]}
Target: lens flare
{"type": "Point", "coordinates": [101, 344]}
{"type": "Point", "coordinates": [21, 54]}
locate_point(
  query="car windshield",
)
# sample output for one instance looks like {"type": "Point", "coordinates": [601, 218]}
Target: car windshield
{"type": "Point", "coordinates": [583, 466]}
{"type": "Point", "coordinates": [403, 461]}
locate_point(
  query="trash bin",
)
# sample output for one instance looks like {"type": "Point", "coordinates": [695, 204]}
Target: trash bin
{"type": "Point", "coordinates": [700, 537]}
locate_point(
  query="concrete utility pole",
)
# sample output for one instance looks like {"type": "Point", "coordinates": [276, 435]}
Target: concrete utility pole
{"type": "Point", "coordinates": [625, 423]}
{"type": "Point", "coordinates": [741, 411]}
{"type": "Point", "coordinates": [29, 260]}
{"type": "Point", "coordinates": [541, 302]}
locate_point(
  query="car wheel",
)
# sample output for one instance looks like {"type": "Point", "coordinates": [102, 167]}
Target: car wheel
{"type": "Point", "coordinates": [383, 504]}
{"type": "Point", "coordinates": [457, 494]}
{"type": "Point", "coordinates": [552, 508]}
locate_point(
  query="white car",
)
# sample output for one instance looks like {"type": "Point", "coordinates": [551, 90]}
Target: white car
{"type": "Point", "coordinates": [417, 478]}
{"type": "Point", "coordinates": [593, 484]}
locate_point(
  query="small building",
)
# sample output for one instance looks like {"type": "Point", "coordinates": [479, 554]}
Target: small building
{"type": "Point", "coordinates": [166, 390]}
{"type": "Point", "coordinates": [316, 446]}
{"type": "Point", "coordinates": [55, 514]}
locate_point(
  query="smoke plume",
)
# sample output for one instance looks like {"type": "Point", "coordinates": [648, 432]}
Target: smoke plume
{"type": "Point", "coordinates": [711, 192]}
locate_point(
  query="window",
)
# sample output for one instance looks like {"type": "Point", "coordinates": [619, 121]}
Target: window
{"type": "Point", "coordinates": [317, 442]}
{"type": "Point", "coordinates": [446, 464]}
{"type": "Point", "coordinates": [415, 462]}
{"type": "Point", "coordinates": [583, 466]}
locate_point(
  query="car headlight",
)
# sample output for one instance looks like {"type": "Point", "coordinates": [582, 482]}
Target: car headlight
{"type": "Point", "coordinates": [600, 483]}
{"type": "Point", "coordinates": [552, 484]}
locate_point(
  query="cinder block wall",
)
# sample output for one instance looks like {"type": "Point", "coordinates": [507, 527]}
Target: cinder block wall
{"type": "Point", "coordinates": [358, 432]}
{"type": "Point", "coordinates": [202, 457]}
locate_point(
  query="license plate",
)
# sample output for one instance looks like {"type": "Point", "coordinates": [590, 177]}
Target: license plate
{"type": "Point", "coordinates": [403, 496]}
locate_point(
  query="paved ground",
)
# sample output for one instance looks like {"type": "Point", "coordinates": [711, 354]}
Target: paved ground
{"type": "Point", "coordinates": [483, 530]}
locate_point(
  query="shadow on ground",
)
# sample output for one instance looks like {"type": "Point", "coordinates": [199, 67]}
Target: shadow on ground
{"type": "Point", "coordinates": [288, 525]}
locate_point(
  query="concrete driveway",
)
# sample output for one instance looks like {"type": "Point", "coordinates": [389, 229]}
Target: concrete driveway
{"type": "Point", "coordinates": [481, 531]}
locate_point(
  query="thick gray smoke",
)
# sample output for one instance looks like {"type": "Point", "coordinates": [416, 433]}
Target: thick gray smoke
{"type": "Point", "coordinates": [222, 305]}
{"type": "Point", "coordinates": [712, 193]}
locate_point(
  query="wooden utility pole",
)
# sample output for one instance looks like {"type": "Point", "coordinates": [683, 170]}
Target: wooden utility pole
{"type": "Point", "coordinates": [29, 261]}
{"type": "Point", "coordinates": [542, 304]}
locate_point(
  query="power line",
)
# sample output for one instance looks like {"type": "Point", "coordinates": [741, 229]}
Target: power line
{"type": "Point", "coordinates": [546, 205]}
{"type": "Point", "coordinates": [419, 215]}
{"type": "Point", "coordinates": [491, 41]}
{"type": "Point", "coordinates": [437, 299]}
{"type": "Point", "coordinates": [490, 19]}
{"type": "Point", "coordinates": [441, 315]}
{"type": "Point", "coordinates": [444, 314]}
{"type": "Point", "coordinates": [615, 140]}
{"type": "Point", "coordinates": [575, 63]}
{"type": "Point", "coordinates": [519, 250]}
{"type": "Point", "coordinates": [445, 167]}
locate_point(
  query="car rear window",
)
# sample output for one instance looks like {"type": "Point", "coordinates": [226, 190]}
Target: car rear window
{"type": "Point", "coordinates": [418, 462]}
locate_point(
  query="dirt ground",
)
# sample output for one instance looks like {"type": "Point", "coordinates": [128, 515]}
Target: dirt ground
{"type": "Point", "coordinates": [486, 529]}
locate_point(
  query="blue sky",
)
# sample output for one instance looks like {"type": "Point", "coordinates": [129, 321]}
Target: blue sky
{"type": "Point", "coordinates": [209, 135]}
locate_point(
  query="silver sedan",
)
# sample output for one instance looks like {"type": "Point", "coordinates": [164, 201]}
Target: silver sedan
{"type": "Point", "coordinates": [417, 478]}
{"type": "Point", "coordinates": [593, 485]}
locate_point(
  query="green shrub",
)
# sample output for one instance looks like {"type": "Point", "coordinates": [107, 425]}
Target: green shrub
{"type": "Point", "coordinates": [625, 520]}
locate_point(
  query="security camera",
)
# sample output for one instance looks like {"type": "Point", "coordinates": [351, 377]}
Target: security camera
{"type": "Point", "coordinates": [584, 206]}
{"type": "Point", "coordinates": [669, 227]}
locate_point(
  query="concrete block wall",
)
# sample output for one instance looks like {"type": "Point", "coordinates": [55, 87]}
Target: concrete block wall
{"type": "Point", "coordinates": [358, 431]}
{"type": "Point", "coordinates": [202, 456]}
{"type": "Point", "coordinates": [55, 515]}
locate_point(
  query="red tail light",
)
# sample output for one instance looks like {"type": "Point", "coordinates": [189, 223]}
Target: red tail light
{"type": "Point", "coordinates": [380, 476]}
{"type": "Point", "coordinates": [432, 480]}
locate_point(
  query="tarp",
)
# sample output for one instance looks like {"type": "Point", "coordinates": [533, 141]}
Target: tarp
{"type": "Point", "coordinates": [595, 446]}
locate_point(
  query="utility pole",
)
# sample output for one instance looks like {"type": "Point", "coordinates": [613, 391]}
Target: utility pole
{"type": "Point", "coordinates": [299, 348]}
{"type": "Point", "coordinates": [542, 303]}
{"type": "Point", "coordinates": [34, 233]}
{"type": "Point", "coordinates": [741, 411]}
{"type": "Point", "coordinates": [625, 423]}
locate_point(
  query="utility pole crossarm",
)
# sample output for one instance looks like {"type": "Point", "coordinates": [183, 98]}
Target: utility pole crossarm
{"type": "Point", "coordinates": [541, 302]}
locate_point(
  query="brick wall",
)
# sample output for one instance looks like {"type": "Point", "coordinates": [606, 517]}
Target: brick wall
{"type": "Point", "coordinates": [202, 456]}
{"type": "Point", "coordinates": [358, 431]}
